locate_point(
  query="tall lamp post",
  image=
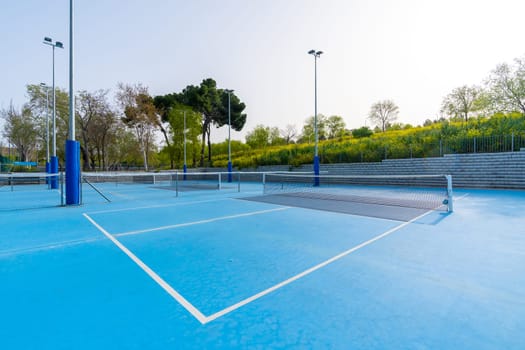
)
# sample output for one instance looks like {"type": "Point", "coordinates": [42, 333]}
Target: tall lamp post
{"type": "Point", "coordinates": [229, 92]}
{"type": "Point", "coordinates": [184, 167]}
{"type": "Point", "coordinates": [72, 146]}
{"type": "Point", "coordinates": [47, 125]}
{"type": "Point", "coordinates": [316, 55]}
{"type": "Point", "coordinates": [53, 164]}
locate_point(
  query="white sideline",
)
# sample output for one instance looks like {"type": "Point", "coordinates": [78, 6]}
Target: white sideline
{"type": "Point", "coordinates": [310, 270]}
{"type": "Point", "coordinates": [182, 301]}
{"type": "Point", "coordinates": [203, 319]}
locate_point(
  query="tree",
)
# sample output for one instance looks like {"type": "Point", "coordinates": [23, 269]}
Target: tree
{"type": "Point", "coordinates": [461, 102]}
{"type": "Point", "coordinates": [94, 121]}
{"type": "Point", "coordinates": [507, 87]}
{"type": "Point", "coordinates": [104, 133]}
{"type": "Point", "coordinates": [37, 106]}
{"type": "Point", "coordinates": [363, 131]}
{"type": "Point", "coordinates": [289, 133]}
{"type": "Point", "coordinates": [193, 130]}
{"type": "Point", "coordinates": [336, 126]}
{"type": "Point", "coordinates": [212, 104]}
{"type": "Point", "coordinates": [308, 133]}
{"type": "Point", "coordinates": [140, 115]}
{"type": "Point", "coordinates": [259, 137]}
{"type": "Point", "coordinates": [383, 113]}
{"type": "Point", "coordinates": [20, 130]}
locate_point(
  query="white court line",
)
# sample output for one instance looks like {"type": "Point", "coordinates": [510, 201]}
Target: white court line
{"type": "Point", "coordinates": [47, 247]}
{"type": "Point", "coordinates": [310, 270]}
{"type": "Point", "coordinates": [206, 319]}
{"type": "Point", "coordinates": [220, 218]}
{"type": "Point", "coordinates": [180, 299]}
{"type": "Point", "coordinates": [156, 206]}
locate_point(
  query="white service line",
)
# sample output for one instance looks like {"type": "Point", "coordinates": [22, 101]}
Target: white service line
{"type": "Point", "coordinates": [206, 319]}
{"type": "Point", "coordinates": [180, 299]}
{"type": "Point", "coordinates": [156, 206]}
{"type": "Point", "coordinates": [199, 222]}
{"type": "Point", "coordinates": [309, 271]}
{"type": "Point", "coordinates": [50, 246]}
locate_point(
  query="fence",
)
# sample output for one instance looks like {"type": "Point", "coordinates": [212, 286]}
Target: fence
{"type": "Point", "coordinates": [402, 149]}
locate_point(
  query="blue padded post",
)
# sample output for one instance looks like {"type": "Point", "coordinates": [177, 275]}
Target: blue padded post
{"type": "Point", "coordinates": [72, 172]}
{"type": "Point", "coordinates": [316, 170]}
{"type": "Point", "coordinates": [229, 171]}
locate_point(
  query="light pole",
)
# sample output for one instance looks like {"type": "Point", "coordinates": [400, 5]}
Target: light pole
{"type": "Point", "coordinates": [53, 164]}
{"type": "Point", "coordinates": [47, 125]}
{"type": "Point", "coordinates": [73, 177]}
{"type": "Point", "coordinates": [184, 167]}
{"type": "Point", "coordinates": [316, 55]}
{"type": "Point", "coordinates": [229, 92]}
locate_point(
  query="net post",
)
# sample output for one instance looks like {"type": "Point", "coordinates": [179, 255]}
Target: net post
{"type": "Point", "coordinates": [177, 183]}
{"type": "Point", "coordinates": [238, 181]}
{"type": "Point", "coordinates": [54, 170]}
{"type": "Point", "coordinates": [62, 188]}
{"type": "Point", "coordinates": [450, 200]}
{"type": "Point", "coordinates": [264, 181]}
{"type": "Point", "coordinates": [219, 176]}
{"type": "Point", "coordinates": [80, 189]}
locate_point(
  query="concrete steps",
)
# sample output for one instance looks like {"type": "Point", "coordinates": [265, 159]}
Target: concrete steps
{"type": "Point", "coordinates": [479, 170]}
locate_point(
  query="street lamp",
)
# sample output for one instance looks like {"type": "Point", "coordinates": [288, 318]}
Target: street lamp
{"type": "Point", "coordinates": [229, 92]}
{"type": "Point", "coordinates": [316, 55]}
{"type": "Point", "coordinates": [73, 176]}
{"type": "Point", "coordinates": [47, 125]}
{"type": "Point", "coordinates": [184, 168]}
{"type": "Point", "coordinates": [53, 165]}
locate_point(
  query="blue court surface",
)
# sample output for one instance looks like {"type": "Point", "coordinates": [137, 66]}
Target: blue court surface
{"type": "Point", "coordinates": [209, 270]}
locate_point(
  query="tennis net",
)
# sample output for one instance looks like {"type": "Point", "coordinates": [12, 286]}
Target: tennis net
{"type": "Point", "coordinates": [141, 185]}
{"type": "Point", "coordinates": [432, 192]}
{"type": "Point", "coordinates": [30, 191]}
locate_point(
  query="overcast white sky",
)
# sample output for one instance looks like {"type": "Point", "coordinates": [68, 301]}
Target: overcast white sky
{"type": "Point", "coordinates": [411, 51]}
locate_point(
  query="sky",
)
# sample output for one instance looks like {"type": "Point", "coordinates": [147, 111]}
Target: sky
{"type": "Point", "coordinates": [413, 52]}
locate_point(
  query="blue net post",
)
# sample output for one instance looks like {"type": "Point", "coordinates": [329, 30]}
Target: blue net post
{"type": "Point", "coordinates": [53, 169]}
{"type": "Point", "coordinates": [72, 172]}
{"type": "Point", "coordinates": [229, 171]}
{"type": "Point", "coordinates": [185, 170]}
{"type": "Point", "coordinates": [316, 170]}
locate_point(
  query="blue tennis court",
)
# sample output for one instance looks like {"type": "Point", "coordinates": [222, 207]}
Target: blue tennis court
{"type": "Point", "coordinates": [211, 270]}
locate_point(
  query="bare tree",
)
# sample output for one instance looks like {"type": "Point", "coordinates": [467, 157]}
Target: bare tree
{"type": "Point", "coordinates": [383, 113]}
{"type": "Point", "coordinates": [93, 110]}
{"type": "Point", "coordinates": [140, 115]}
{"type": "Point", "coordinates": [289, 133]}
